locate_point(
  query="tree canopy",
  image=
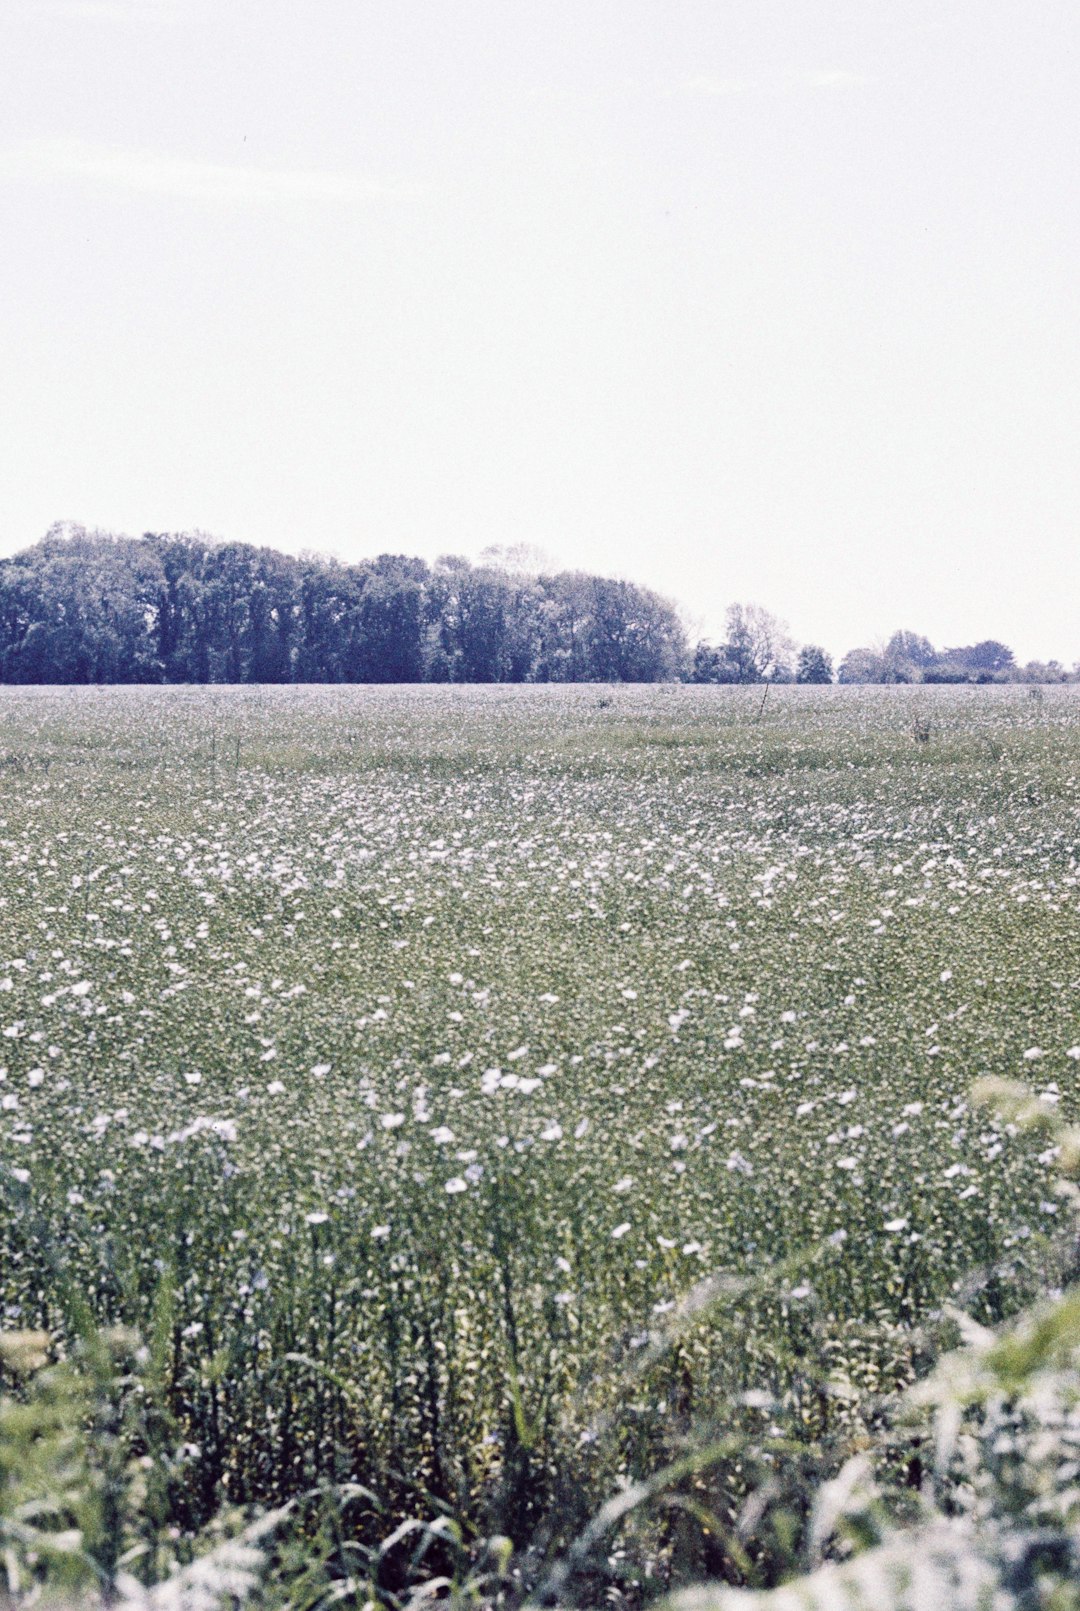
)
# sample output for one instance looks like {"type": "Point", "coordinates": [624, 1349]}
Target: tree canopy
{"type": "Point", "coordinates": [88, 607]}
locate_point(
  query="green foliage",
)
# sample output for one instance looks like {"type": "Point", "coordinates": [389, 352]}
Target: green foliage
{"type": "Point", "coordinates": [84, 1479]}
{"type": "Point", "coordinates": [87, 607]}
{"type": "Point", "coordinates": [1000, 1509]}
{"type": "Point", "coordinates": [814, 665]}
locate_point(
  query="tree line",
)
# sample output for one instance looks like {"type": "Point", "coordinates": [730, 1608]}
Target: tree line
{"type": "Point", "coordinates": [757, 648]}
{"type": "Point", "coordinates": [89, 607]}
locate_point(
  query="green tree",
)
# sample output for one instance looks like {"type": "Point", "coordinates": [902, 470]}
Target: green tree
{"type": "Point", "coordinates": [862, 666]}
{"type": "Point", "coordinates": [814, 665]}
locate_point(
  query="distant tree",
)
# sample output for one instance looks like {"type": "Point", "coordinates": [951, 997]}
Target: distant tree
{"type": "Point", "coordinates": [387, 638]}
{"type": "Point", "coordinates": [272, 612]}
{"type": "Point", "coordinates": [988, 655]}
{"type": "Point", "coordinates": [912, 647]}
{"type": "Point", "coordinates": [906, 657]}
{"type": "Point", "coordinates": [80, 609]}
{"type": "Point", "coordinates": [862, 666]}
{"type": "Point", "coordinates": [595, 629]}
{"type": "Point", "coordinates": [814, 665]}
{"type": "Point", "coordinates": [326, 610]}
{"type": "Point", "coordinates": [563, 620]}
{"type": "Point", "coordinates": [707, 664]}
{"type": "Point", "coordinates": [472, 607]}
{"type": "Point", "coordinates": [757, 647]}
{"type": "Point", "coordinates": [1043, 671]}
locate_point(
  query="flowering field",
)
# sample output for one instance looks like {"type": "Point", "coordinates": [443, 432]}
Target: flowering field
{"type": "Point", "coordinates": [399, 1063]}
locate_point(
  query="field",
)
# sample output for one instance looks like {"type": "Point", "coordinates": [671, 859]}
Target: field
{"type": "Point", "coordinates": [400, 1063]}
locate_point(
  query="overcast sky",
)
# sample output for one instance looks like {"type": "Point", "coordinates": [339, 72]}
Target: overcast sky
{"type": "Point", "coordinates": [744, 299]}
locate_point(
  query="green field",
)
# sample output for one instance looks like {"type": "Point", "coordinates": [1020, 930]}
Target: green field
{"type": "Point", "coordinates": [397, 1063]}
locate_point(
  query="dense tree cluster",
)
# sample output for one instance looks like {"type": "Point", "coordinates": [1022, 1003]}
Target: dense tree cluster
{"type": "Point", "coordinates": [87, 607]}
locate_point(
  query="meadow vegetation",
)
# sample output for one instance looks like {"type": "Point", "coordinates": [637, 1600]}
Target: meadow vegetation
{"type": "Point", "coordinates": [518, 1140]}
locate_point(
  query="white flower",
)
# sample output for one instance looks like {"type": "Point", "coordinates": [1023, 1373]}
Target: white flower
{"type": "Point", "coordinates": [319, 1069]}
{"type": "Point", "coordinates": [620, 1230]}
{"type": "Point", "coordinates": [581, 1129]}
{"type": "Point", "coordinates": [847, 1163]}
{"type": "Point", "coordinates": [379, 1232]}
{"type": "Point", "coordinates": [896, 1224]}
{"type": "Point", "coordinates": [945, 976]}
{"type": "Point", "coordinates": [552, 1132]}
{"type": "Point", "coordinates": [390, 1121]}
{"type": "Point", "coordinates": [1032, 1053]}
{"type": "Point", "coordinates": [442, 1135]}
{"type": "Point", "coordinates": [35, 1076]}
{"type": "Point", "coordinates": [455, 1185]}
{"type": "Point", "coordinates": [316, 1219]}
{"type": "Point", "coordinates": [624, 1184]}
{"type": "Point", "coordinates": [193, 1078]}
{"type": "Point", "coordinates": [275, 1087]}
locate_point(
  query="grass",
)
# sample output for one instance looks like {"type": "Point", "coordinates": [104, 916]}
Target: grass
{"type": "Point", "coordinates": [404, 1061]}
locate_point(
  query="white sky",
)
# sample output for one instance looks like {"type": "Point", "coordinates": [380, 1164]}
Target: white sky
{"type": "Point", "coordinates": [744, 299]}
